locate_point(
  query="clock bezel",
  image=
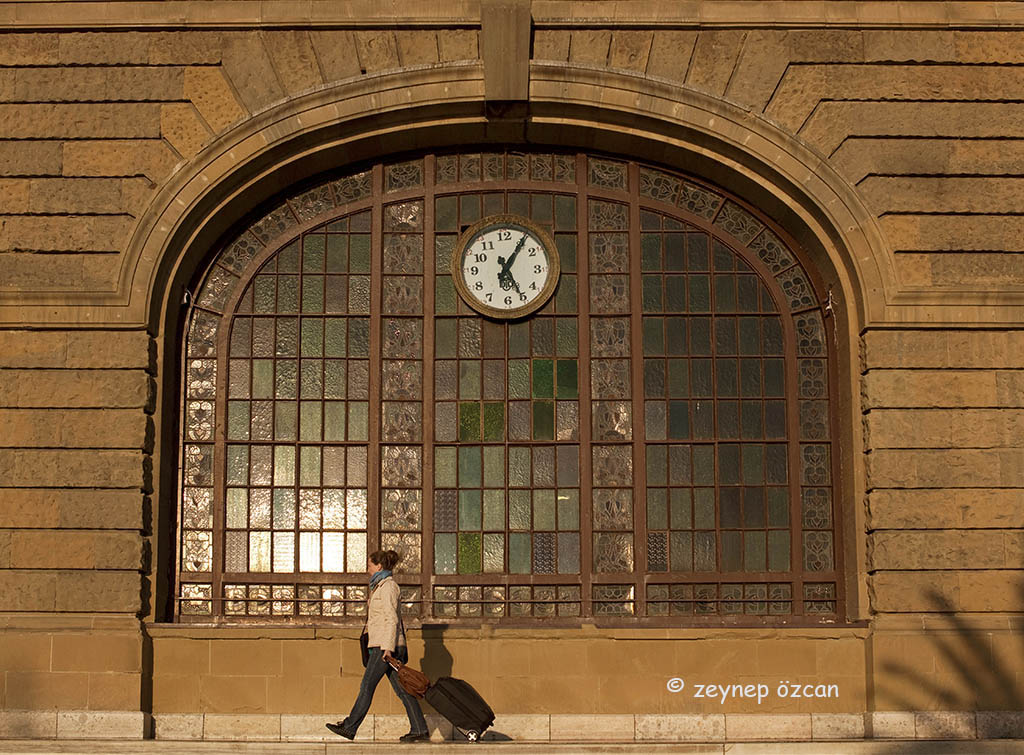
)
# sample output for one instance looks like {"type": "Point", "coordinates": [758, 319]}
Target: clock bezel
{"type": "Point", "coordinates": [524, 224]}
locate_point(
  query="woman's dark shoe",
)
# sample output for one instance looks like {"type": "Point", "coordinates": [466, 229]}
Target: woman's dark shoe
{"type": "Point", "coordinates": [410, 737]}
{"type": "Point", "coordinates": [341, 731]}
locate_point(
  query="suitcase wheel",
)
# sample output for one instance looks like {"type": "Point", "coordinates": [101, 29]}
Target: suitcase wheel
{"type": "Point", "coordinates": [472, 735]}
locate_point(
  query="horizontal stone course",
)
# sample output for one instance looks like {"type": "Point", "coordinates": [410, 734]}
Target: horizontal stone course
{"type": "Point", "coordinates": [944, 428]}
{"type": "Point", "coordinates": [941, 549]}
{"type": "Point", "coordinates": [937, 157]}
{"type": "Point", "coordinates": [992, 349]}
{"type": "Point", "coordinates": [80, 120]}
{"type": "Point", "coordinates": [67, 507]}
{"type": "Point", "coordinates": [945, 509]}
{"type": "Point", "coordinates": [942, 591]}
{"type": "Point", "coordinates": [982, 233]}
{"type": "Point", "coordinates": [949, 468]}
{"type": "Point", "coordinates": [941, 388]}
{"type": "Point", "coordinates": [129, 389]}
{"type": "Point", "coordinates": [74, 549]}
{"type": "Point", "coordinates": [960, 270]}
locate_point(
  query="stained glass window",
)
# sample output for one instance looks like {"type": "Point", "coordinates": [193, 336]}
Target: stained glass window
{"type": "Point", "coordinates": [653, 445]}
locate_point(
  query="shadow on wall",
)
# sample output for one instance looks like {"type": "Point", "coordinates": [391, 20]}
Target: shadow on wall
{"type": "Point", "coordinates": [979, 676]}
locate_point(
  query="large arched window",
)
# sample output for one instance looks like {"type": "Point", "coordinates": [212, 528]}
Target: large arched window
{"type": "Point", "coordinates": [651, 446]}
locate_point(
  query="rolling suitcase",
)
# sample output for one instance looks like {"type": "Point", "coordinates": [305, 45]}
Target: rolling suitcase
{"type": "Point", "coordinates": [457, 701]}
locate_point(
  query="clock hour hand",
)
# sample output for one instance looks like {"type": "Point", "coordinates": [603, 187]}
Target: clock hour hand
{"type": "Point", "coordinates": [505, 278]}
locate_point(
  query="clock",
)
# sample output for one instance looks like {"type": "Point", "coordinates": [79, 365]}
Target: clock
{"type": "Point", "coordinates": [505, 266]}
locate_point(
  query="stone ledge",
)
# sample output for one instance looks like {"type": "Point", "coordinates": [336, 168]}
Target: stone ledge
{"type": "Point", "coordinates": [101, 724]}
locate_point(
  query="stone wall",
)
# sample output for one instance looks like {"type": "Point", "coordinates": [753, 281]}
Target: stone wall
{"type": "Point", "coordinates": [923, 124]}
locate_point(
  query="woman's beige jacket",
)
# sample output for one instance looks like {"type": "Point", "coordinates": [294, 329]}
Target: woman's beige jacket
{"type": "Point", "coordinates": [382, 623]}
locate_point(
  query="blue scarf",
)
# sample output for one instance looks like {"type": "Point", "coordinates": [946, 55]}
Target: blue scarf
{"type": "Point", "coordinates": [377, 578]}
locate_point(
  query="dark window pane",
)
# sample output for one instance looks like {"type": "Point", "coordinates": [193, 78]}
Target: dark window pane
{"type": "Point", "coordinates": [731, 558]}
{"type": "Point", "coordinates": [678, 378]}
{"type": "Point", "coordinates": [518, 340]}
{"type": "Point", "coordinates": [675, 293]}
{"type": "Point", "coordinates": [679, 465]}
{"type": "Point", "coordinates": [678, 420]}
{"type": "Point", "coordinates": [652, 293]}
{"type": "Point", "coordinates": [657, 509]}
{"type": "Point", "coordinates": [650, 221]}
{"type": "Point", "coordinates": [703, 420]}
{"type": "Point", "coordinates": [725, 293]}
{"type": "Point", "coordinates": [681, 515]}
{"type": "Point", "coordinates": [654, 378]}
{"type": "Point", "coordinates": [774, 377]}
{"type": "Point", "coordinates": [446, 211]}
{"type": "Point", "coordinates": [519, 204]}
{"type": "Point", "coordinates": [775, 419]}
{"type": "Point", "coordinates": [728, 464]}
{"type": "Point", "coordinates": [729, 507]}
{"type": "Point", "coordinates": [754, 551]}
{"type": "Point", "coordinates": [778, 507]}
{"type": "Point", "coordinates": [746, 299]}
{"type": "Point", "coordinates": [654, 336]}
{"type": "Point", "coordinates": [778, 551]}
{"type": "Point", "coordinates": [750, 377]}
{"type": "Point", "coordinates": [697, 251]}
{"type": "Point", "coordinates": [674, 252]}
{"type": "Point", "coordinates": [725, 335]}
{"type": "Point", "coordinates": [753, 464]}
{"type": "Point", "coordinates": [650, 245]}
{"type": "Point", "coordinates": [775, 463]}
{"type": "Point", "coordinates": [676, 335]}
{"type": "Point", "coordinates": [753, 507]}
{"type": "Point", "coordinates": [566, 244]}
{"type": "Point", "coordinates": [750, 335]}
{"type": "Point", "coordinates": [469, 209]}
{"type": "Point", "coordinates": [701, 375]}
{"type": "Point", "coordinates": [728, 420]}
{"type": "Point", "coordinates": [681, 553]}
{"type": "Point", "coordinates": [700, 336]}
{"type": "Point", "coordinates": [568, 382]}
{"type": "Point", "coordinates": [752, 429]}
{"type": "Point", "coordinates": [726, 377]}
{"type": "Point", "coordinates": [565, 213]}
{"type": "Point", "coordinates": [724, 257]}
{"type": "Point", "coordinates": [772, 335]}
{"type": "Point", "coordinates": [543, 420]}
{"type": "Point", "coordinates": [700, 293]}
{"type": "Point", "coordinates": [704, 508]}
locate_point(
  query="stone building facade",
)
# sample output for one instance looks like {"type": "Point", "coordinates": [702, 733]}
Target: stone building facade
{"type": "Point", "coordinates": [858, 161]}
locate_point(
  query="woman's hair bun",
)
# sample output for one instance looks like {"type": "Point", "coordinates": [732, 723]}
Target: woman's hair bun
{"type": "Point", "coordinates": [387, 559]}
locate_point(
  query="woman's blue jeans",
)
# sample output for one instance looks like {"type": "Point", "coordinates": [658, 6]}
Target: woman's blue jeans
{"type": "Point", "coordinates": [376, 669]}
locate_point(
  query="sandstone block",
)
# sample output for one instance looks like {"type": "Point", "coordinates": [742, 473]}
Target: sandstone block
{"type": "Point", "coordinates": [183, 129]}
{"type": "Point", "coordinates": [956, 468]}
{"type": "Point", "coordinates": [891, 725]}
{"type": "Point", "coordinates": [671, 51]}
{"type": "Point", "coordinates": [759, 726]}
{"type": "Point", "coordinates": [153, 158]}
{"type": "Point", "coordinates": [1000, 724]}
{"type": "Point", "coordinates": [209, 92]}
{"type": "Point", "coordinates": [175, 693]}
{"type": "Point", "coordinates": [15, 192]}
{"type": "Point", "coordinates": [29, 651]}
{"type": "Point", "coordinates": [114, 691]}
{"type": "Point", "coordinates": [82, 549]}
{"type": "Point", "coordinates": [590, 46]}
{"type": "Point", "coordinates": [246, 657]}
{"type": "Point", "coordinates": [458, 44]}
{"type": "Point", "coordinates": [29, 50]}
{"type": "Point", "coordinates": [30, 158]}
{"type": "Point", "coordinates": [938, 387]}
{"type": "Point", "coordinates": [602, 728]}
{"type": "Point", "coordinates": [377, 50]}
{"type": "Point", "coordinates": [234, 695]}
{"type": "Point", "coordinates": [938, 549]}
{"type": "Point", "coordinates": [931, 194]}
{"type": "Point", "coordinates": [714, 59]}
{"type": "Point", "coordinates": [247, 66]}
{"type": "Point", "coordinates": [388, 728]}
{"type": "Point", "coordinates": [41, 508]}
{"type": "Point", "coordinates": [681, 727]}
{"type": "Point", "coordinates": [908, 592]}
{"type": "Point", "coordinates": [551, 44]}
{"type": "Point", "coordinates": [75, 388]}
{"type": "Point", "coordinates": [118, 48]}
{"type": "Point", "coordinates": [292, 56]}
{"type": "Point", "coordinates": [417, 47]}
{"type": "Point", "coordinates": [826, 45]}
{"type": "Point", "coordinates": [630, 50]}
{"type": "Point", "coordinates": [45, 690]}
{"type": "Point", "coordinates": [28, 724]}
{"type": "Point", "coordinates": [298, 728]}
{"type": "Point", "coordinates": [101, 724]}
{"type": "Point", "coordinates": [944, 725]}
{"type": "Point", "coordinates": [837, 726]}
{"type": "Point", "coordinates": [944, 428]}
{"type": "Point", "coordinates": [922, 46]}
{"type": "Point", "coordinates": [856, 158]}
{"type": "Point", "coordinates": [522, 727]}
{"type": "Point", "coordinates": [75, 195]}
{"type": "Point", "coordinates": [100, 591]}
{"type": "Point", "coordinates": [761, 64]}
{"type": "Point", "coordinates": [97, 84]}
{"type": "Point", "coordinates": [987, 47]}
{"type": "Point", "coordinates": [99, 468]}
{"type": "Point", "coordinates": [80, 120]}
{"type": "Point", "coordinates": [984, 591]}
{"type": "Point", "coordinates": [945, 509]}
{"type": "Point", "coordinates": [950, 270]}
{"type": "Point", "coordinates": [952, 233]}
{"type": "Point", "coordinates": [336, 51]}
{"type": "Point", "coordinates": [180, 726]}
{"type": "Point", "coordinates": [184, 47]}
{"type": "Point", "coordinates": [72, 233]}
{"type": "Point", "coordinates": [27, 591]}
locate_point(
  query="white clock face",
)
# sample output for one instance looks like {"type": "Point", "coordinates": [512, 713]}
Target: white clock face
{"type": "Point", "coordinates": [506, 269]}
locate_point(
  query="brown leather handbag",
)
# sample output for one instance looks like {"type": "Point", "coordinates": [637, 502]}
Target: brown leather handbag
{"type": "Point", "coordinates": [413, 681]}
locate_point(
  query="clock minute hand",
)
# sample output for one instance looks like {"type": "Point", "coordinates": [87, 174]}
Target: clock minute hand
{"type": "Point", "coordinates": [511, 259]}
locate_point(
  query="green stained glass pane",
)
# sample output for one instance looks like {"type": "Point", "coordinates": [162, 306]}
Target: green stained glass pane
{"type": "Point", "coordinates": [312, 293]}
{"type": "Point", "coordinates": [681, 551]}
{"type": "Point", "coordinates": [654, 336]}
{"type": "Point", "coordinates": [444, 337]}
{"type": "Point", "coordinates": [359, 253]}
{"type": "Point", "coordinates": [543, 420]}
{"type": "Point", "coordinates": [445, 466]}
{"type": "Point", "coordinates": [494, 467]}
{"type": "Point", "coordinates": [674, 252]}
{"type": "Point", "coordinates": [753, 464]}
{"type": "Point", "coordinates": [444, 553]}
{"type": "Point", "coordinates": [335, 378]}
{"type": "Point", "coordinates": [446, 214]}
{"type": "Point", "coordinates": [312, 338]}
{"type": "Point", "coordinates": [566, 243]}
{"type": "Point", "coordinates": [519, 378]}
{"type": "Point", "coordinates": [778, 550]}
{"type": "Point", "coordinates": [358, 337]}
{"type": "Point", "coordinates": [337, 253]}
{"type": "Point", "coordinates": [469, 380]}
{"type": "Point", "coordinates": [238, 465]}
{"type": "Point", "coordinates": [469, 467]}
{"type": "Point", "coordinates": [288, 258]}
{"type": "Point", "coordinates": [309, 421]}
{"type": "Point", "coordinates": [543, 378]}
{"type": "Point", "coordinates": [469, 421]}
{"type": "Point", "coordinates": [519, 467]}
{"type": "Point", "coordinates": [494, 553]}
{"type": "Point", "coordinates": [470, 553]}
{"type": "Point", "coordinates": [311, 384]}
{"type": "Point", "coordinates": [519, 339]}
{"type": "Point", "coordinates": [650, 246]}
{"type": "Point", "coordinates": [568, 509]}
{"type": "Point", "coordinates": [286, 383]}
{"type": "Point", "coordinates": [675, 293]}
{"type": "Point", "coordinates": [657, 509]}
{"type": "Point", "coordinates": [565, 213]}
{"type": "Point", "coordinates": [699, 294]}
{"type": "Point", "coordinates": [678, 420]}
{"type": "Point", "coordinates": [335, 337]}
{"type": "Point", "coordinates": [284, 465]}
{"type": "Point", "coordinates": [309, 466]}
{"type": "Point", "coordinates": [238, 508]}
{"type": "Point", "coordinates": [313, 253]}
{"type": "Point", "coordinates": [469, 509]}
{"type": "Point", "coordinates": [519, 507]}
{"type": "Point", "coordinates": [334, 420]}
{"type": "Point", "coordinates": [543, 509]}
{"type": "Point", "coordinates": [732, 557]}
{"type": "Point", "coordinates": [287, 293]}
{"type": "Point", "coordinates": [565, 295]}
{"type": "Point", "coordinates": [262, 378]}
{"type": "Point", "coordinates": [285, 420]}
{"type": "Point", "coordinates": [358, 414]}
{"type": "Point", "coordinates": [657, 465]}
{"type": "Point", "coordinates": [568, 379]}
{"type": "Point", "coordinates": [567, 337]}
{"type": "Point", "coordinates": [754, 551]}
{"type": "Point", "coordinates": [679, 509]}
{"type": "Point", "coordinates": [444, 295]}
{"type": "Point", "coordinates": [264, 292]}
{"type": "Point", "coordinates": [652, 299]}
{"type": "Point", "coordinates": [494, 421]}
{"type": "Point", "coordinates": [494, 510]}
{"type": "Point", "coordinates": [238, 420]}
{"type": "Point", "coordinates": [704, 508]}
{"type": "Point", "coordinates": [519, 555]}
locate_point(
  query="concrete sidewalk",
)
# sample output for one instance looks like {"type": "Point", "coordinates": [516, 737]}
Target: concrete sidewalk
{"type": "Point", "coordinates": [154, 747]}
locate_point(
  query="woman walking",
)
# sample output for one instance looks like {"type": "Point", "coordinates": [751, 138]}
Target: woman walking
{"type": "Point", "coordinates": [385, 639]}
